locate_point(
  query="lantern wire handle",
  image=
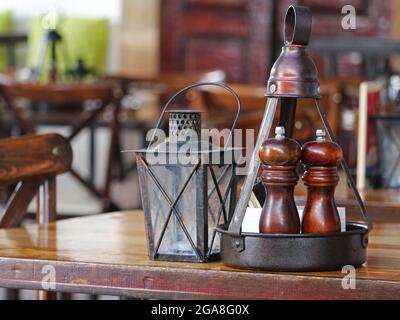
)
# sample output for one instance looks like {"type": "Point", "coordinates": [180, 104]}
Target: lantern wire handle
{"type": "Point", "coordinates": [200, 84]}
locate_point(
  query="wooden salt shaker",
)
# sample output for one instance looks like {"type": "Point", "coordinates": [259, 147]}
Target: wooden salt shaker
{"type": "Point", "coordinates": [321, 159]}
{"type": "Point", "coordinates": [279, 156]}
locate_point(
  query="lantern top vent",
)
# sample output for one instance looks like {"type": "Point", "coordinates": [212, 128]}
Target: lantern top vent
{"type": "Point", "coordinates": [180, 121]}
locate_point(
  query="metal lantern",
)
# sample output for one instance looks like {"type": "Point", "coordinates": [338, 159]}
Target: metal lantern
{"type": "Point", "coordinates": [186, 195]}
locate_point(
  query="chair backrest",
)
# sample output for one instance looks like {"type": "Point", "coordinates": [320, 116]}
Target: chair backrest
{"type": "Point", "coordinates": [32, 163]}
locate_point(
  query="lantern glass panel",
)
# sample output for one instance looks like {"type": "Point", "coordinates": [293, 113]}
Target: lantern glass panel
{"type": "Point", "coordinates": [172, 179]}
{"type": "Point", "coordinates": [216, 214]}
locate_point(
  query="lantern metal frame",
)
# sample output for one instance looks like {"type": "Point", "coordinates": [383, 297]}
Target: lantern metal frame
{"type": "Point", "coordinates": [293, 76]}
{"type": "Point", "coordinates": [202, 247]}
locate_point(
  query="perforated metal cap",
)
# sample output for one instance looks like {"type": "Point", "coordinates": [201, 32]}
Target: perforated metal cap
{"type": "Point", "coordinates": [181, 122]}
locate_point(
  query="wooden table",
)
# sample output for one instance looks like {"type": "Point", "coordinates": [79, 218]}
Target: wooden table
{"type": "Point", "coordinates": [106, 254]}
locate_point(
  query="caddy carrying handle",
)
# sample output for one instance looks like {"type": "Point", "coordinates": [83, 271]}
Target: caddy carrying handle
{"type": "Point", "coordinates": [297, 27]}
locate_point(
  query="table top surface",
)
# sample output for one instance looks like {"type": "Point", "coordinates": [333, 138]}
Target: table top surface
{"type": "Point", "coordinates": [107, 254]}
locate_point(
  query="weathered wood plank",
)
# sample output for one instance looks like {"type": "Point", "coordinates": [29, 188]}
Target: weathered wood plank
{"type": "Point", "coordinates": [33, 156]}
{"type": "Point", "coordinates": [107, 254]}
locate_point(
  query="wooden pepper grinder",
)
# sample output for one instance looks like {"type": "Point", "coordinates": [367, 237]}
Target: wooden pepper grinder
{"type": "Point", "coordinates": [279, 156]}
{"type": "Point", "coordinates": [321, 159]}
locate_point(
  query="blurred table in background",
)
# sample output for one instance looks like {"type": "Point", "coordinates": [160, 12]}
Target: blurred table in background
{"type": "Point", "coordinates": [67, 96]}
{"type": "Point", "coordinates": [62, 104]}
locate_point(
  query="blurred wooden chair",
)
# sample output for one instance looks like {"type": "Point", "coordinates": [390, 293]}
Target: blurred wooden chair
{"type": "Point", "coordinates": [221, 106]}
{"type": "Point", "coordinates": [144, 97]}
{"type": "Point", "coordinates": [161, 86]}
{"type": "Point", "coordinates": [63, 95]}
{"type": "Point", "coordinates": [31, 164]}
{"type": "Point", "coordinates": [165, 83]}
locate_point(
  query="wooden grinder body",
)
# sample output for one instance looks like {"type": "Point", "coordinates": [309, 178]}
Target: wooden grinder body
{"type": "Point", "coordinates": [279, 157]}
{"type": "Point", "coordinates": [321, 159]}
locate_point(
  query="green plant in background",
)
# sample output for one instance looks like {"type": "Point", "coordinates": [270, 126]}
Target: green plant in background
{"type": "Point", "coordinates": [6, 25]}
{"type": "Point", "coordinates": [82, 38]}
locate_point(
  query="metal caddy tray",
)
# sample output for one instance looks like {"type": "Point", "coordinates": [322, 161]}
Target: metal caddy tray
{"type": "Point", "coordinates": [295, 252]}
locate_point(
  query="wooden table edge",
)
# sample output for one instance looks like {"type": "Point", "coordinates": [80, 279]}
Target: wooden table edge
{"type": "Point", "coordinates": [159, 282]}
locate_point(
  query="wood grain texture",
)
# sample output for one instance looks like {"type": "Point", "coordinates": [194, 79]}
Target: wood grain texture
{"type": "Point", "coordinates": [55, 92]}
{"type": "Point", "coordinates": [106, 92]}
{"type": "Point", "coordinates": [230, 35]}
{"type": "Point", "coordinates": [279, 157]}
{"type": "Point", "coordinates": [107, 254]}
{"type": "Point", "coordinates": [33, 156]}
{"type": "Point", "coordinates": [321, 159]}
{"type": "Point", "coordinates": [15, 208]}
{"type": "Point", "coordinates": [34, 161]}
{"type": "Point", "coordinates": [202, 34]}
